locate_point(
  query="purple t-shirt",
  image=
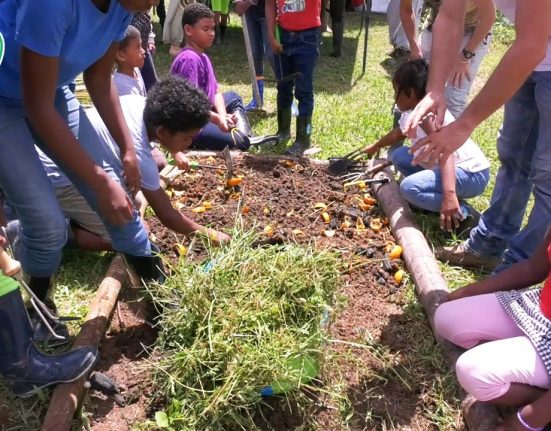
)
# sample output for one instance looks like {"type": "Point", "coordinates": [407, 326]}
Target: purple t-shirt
{"type": "Point", "coordinates": [197, 69]}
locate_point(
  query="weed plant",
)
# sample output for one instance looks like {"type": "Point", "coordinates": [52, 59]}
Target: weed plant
{"type": "Point", "coordinates": [233, 325]}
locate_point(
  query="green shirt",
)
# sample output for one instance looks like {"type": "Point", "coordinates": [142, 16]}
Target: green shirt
{"type": "Point", "coordinates": [472, 16]}
{"type": "Point", "coordinates": [7, 285]}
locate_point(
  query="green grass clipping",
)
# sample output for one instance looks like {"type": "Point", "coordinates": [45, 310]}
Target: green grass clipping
{"type": "Point", "coordinates": [248, 319]}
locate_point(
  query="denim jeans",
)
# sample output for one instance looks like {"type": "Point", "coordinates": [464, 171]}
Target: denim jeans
{"type": "Point", "coordinates": [258, 36]}
{"type": "Point", "coordinates": [524, 151]}
{"type": "Point", "coordinates": [423, 187]}
{"type": "Point", "coordinates": [29, 192]}
{"type": "Point", "coordinates": [149, 74]}
{"type": "Point", "coordinates": [456, 97]}
{"type": "Point", "coordinates": [300, 53]}
{"type": "Point", "coordinates": [214, 139]}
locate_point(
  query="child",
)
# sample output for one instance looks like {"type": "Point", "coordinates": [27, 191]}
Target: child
{"type": "Point", "coordinates": [440, 188]}
{"type": "Point", "coordinates": [173, 114]}
{"type": "Point", "coordinates": [296, 51]}
{"type": "Point", "coordinates": [510, 325]}
{"type": "Point", "coordinates": [229, 124]}
{"type": "Point", "coordinates": [130, 58]}
{"type": "Point", "coordinates": [142, 21]}
{"type": "Point", "coordinates": [128, 79]}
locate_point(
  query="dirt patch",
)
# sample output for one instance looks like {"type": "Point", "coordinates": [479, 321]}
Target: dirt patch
{"type": "Point", "coordinates": [282, 200]}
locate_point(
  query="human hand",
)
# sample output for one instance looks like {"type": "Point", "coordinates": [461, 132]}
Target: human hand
{"type": "Point", "coordinates": [277, 48]}
{"type": "Point", "coordinates": [450, 212]}
{"type": "Point", "coordinates": [460, 73]}
{"type": "Point", "coordinates": [151, 48]}
{"type": "Point", "coordinates": [114, 203]}
{"type": "Point", "coordinates": [231, 120]}
{"type": "Point", "coordinates": [371, 149]}
{"type": "Point", "coordinates": [216, 237]}
{"type": "Point", "coordinates": [433, 102]}
{"type": "Point", "coordinates": [221, 122]}
{"type": "Point", "coordinates": [462, 292]}
{"type": "Point", "coordinates": [131, 171]}
{"type": "Point", "coordinates": [415, 53]}
{"type": "Point", "coordinates": [242, 6]}
{"type": "Point", "coordinates": [438, 146]}
{"type": "Point", "coordinates": [182, 162]}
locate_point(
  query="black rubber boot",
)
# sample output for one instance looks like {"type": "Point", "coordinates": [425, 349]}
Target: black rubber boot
{"type": "Point", "coordinates": [284, 124]}
{"type": "Point", "coordinates": [147, 268]}
{"type": "Point", "coordinates": [24, 368]}
{"type": "Point", "coordinates": [242, 124]}
{"type": "Point", "coordinates": [302, 141]}
{"type": "Point", "coordinates": [338, 33]}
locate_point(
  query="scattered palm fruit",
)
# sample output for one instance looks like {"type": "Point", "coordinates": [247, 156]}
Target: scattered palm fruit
{"type": "Point", "coordinates": [326, 218]}
{"type": "Point", "coordinates": [245, 210]}
{"type": "Point", "coordinates": [369, 200]}
{"type": "Point", "coordinates": [365, 207]}
{"type": "Point", "coordinates": [180, 249]}
{"type": "Point", "coordinates": [297, 232]}
{"type": "Point", "coordinates": [398, 276]}
{"type": "Point", "coordinates": [235, 181]}
{"type": "Point", "coordinates": [320, 206]}
{"type": "Point", "coordinates": [266, 210]}
{"type": "Point", "coordinates": [376, 224]}
{"type": "Point", "coordinates": [207, 205]}
{"type": "Point", "coordinates": [269, 231]}
{"type": "Point", "coordinates": [396, 252]}
{"type": "Point", "coordinates": [199, 209]}
{"type": "Point", "coordinates": [346, 224]}
{"type": "Point", "coordinates": [329, 233]}
{"type": "Point", "coordinates": [360, 224]}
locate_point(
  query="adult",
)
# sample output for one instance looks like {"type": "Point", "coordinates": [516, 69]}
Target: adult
{"type": "Point", "coordinates": [396, 32]}
{"type": "Point", "coordinates": [474, 46]}
{"type": "Point", "coordinates": [47, 45]}
{"type": "Point", "coordinates": [522, 80]}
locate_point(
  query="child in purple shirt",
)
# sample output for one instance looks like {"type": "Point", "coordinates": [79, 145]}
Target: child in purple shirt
{"type": "Point", "coordinates": [229, 124]}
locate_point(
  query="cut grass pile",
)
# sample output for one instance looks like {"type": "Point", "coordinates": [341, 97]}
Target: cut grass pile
{"type": "Point", "coordinates": [234, 326]}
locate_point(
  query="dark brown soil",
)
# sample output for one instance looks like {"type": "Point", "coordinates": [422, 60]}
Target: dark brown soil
{"type": "Point", "coordinates": [280, 197]}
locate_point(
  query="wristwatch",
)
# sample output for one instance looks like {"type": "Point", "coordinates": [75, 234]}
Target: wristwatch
{"type": "Point", "coordinates": [468, 54]}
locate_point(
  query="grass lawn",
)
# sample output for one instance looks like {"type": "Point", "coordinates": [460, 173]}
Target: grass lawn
{"type": "Point", "coordinates": [350, 112]}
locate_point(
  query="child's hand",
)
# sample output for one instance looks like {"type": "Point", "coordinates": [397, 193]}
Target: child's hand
{"type": "Point", "coordinates": [182, 162]}
{"type": "Point", "coordinates": [114, 203]}
{"type": "Point", "coordinates": [371, 149]}
{"type": "Point", "coordinates": [231, 120]}
{"type": "Point", "coordinates": [221, 122]}
{"type": "Point", "coordinates": [277, 48]}
{"type": "Point", "coordinates": [450, 212]}
{"type": "Point", "coordinates": [131, 172]}
{"type": "Point", "coordinates": [216, 237]}
{"type": "Point", "coordinates": [151, 47]}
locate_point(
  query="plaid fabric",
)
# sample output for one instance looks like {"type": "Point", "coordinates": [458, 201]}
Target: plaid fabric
{"type": "Point", "coordinates": [524, 308]}
{"type": "Point", "coordinates": [142, 21]}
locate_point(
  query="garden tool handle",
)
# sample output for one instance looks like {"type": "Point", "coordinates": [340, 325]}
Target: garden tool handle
{"type": "Point", "coordinates": [8, 265]}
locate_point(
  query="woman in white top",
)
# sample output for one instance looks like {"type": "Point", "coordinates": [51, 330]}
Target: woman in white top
{"type": "Point", "coordinates": [440, 187]}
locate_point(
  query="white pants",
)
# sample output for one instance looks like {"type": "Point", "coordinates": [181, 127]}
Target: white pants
{"type": "Point", "coordinates": [396, 34]}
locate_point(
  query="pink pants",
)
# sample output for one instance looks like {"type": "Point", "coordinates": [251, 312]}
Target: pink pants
{"type": "Point", "coordinates": [487, 370]}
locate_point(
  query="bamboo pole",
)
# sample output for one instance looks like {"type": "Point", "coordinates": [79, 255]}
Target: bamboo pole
{"type": "Point", "coordinates": [66, 397]}
{"type": "Point", "coordinates": [430, 285]}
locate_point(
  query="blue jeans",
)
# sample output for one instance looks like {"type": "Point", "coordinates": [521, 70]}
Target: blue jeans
{"type": "Point", "coordinates": [423, 187]}
{"type": "Point", "coordinates": [300, 53]}
{"type": "Point", "coordinates": [29, 192]}
{"type": "Point", "coordinates": [214, 139]}
{"type": "Point", "coordinates": [258, 35]}
{"type": "Point", "coordinates": [524, 150]}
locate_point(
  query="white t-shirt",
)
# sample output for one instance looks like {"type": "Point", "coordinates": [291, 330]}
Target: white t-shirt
{"type": "Point", "coordinates": [132, 108]}
{"type": "Point", "coordinates": [127, 85]}
{"type": "Point", "coordinates": [509, 9]}
{"type": "Point", "coordinates": [468, 157]}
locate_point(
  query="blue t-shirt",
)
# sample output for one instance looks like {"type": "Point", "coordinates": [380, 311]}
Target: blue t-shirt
{"type": "Point", "coordinates": [75, 31]}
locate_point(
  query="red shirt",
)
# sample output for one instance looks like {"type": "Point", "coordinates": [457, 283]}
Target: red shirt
{"type": "Point", "coordinates": [545, 298]}
{"type": "Point", "coordinates": [297, 15]}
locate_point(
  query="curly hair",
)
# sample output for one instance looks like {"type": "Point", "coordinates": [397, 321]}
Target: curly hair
{"type": "Point", "coordinates": [130, 34]}
{"type": "Point", "coordinates": [412, 76]}
{"type": "Point", "coordinates": [195, 12]}
{"type": "Point", "coordinates": [177, 105]}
